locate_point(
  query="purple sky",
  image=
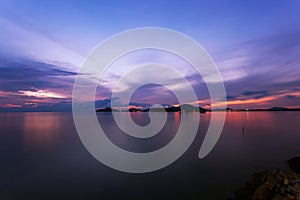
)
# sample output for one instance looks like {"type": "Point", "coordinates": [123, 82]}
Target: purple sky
{"type": "Point", "coordinates": [256, 46]}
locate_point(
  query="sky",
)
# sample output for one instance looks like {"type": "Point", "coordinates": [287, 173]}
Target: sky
{"type": "Point", "coordinates": [255, 45]}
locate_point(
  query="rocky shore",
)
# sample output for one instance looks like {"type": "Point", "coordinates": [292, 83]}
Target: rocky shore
{"type": "Point", "coordinates": [274, 184]}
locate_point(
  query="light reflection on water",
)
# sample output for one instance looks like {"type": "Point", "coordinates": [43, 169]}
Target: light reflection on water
{"type": "Point", "coordinates": [43, 157]}
{"type": "Point", "coordinates": [41, 130]}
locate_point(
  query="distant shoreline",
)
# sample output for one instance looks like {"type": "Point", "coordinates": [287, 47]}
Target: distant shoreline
{"type": "Point", "coordinates": [186, 107]}
{"type": "Point", "coordinates": [190, 108]}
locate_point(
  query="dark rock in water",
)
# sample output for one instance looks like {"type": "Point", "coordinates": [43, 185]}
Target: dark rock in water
{"type": "Point", "coordinates": [294, 164]}
{"type": "Point", "coordinates": [273, 184]}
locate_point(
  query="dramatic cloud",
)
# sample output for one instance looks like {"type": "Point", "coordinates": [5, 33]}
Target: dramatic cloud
{"type": "Point", "coordinates": [42, 94]}
{"type": "Point", "coordinates": [258, 59]}
{"type": "Point", "coordinates": [272, 67]}
{"type": "Point", "coordinates": [25, 81]}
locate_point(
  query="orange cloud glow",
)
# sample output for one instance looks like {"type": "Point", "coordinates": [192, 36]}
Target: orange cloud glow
{"type": "Point", "coordinates": [9, 105]}
{"type": "Point", "coordinates": [260, 100]}
{"type": "Point", "coordinates": [4, 94]}
{"type": "Point", "coordinates": [42, 94]}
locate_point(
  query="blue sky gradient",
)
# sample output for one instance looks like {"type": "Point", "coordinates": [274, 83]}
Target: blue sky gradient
{"type": "Point", "coordinates": [255, 44]}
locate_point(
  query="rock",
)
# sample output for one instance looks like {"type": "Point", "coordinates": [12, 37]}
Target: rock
{"type": "Point", "coordinates": [273, 184]}
{"type": "Point", "coordinates": [294, 164]}
{"type": "Point", "coordinates": [285, 181]}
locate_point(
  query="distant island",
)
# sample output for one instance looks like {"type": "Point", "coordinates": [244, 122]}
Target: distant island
{"type": "Point", "coordinates": [191, 108]}
{"type": "Point", "coordinates": [184, 107]}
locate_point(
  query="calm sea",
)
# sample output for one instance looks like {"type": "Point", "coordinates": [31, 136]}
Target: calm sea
{"type": "Point", "coordinates": [42, 157]}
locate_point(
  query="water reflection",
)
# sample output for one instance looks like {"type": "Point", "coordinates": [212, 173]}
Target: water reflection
{"type": "Point", "coordinates": [56, 164]}
{"type": "Point", "coordinates": [134, 144]}
{"type": "Point", "coordinates": [176, 118]}
{"type": "Point", "coordinates": [41, 130]}
{"type": "Point", "coordinates": [141, 119]}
